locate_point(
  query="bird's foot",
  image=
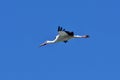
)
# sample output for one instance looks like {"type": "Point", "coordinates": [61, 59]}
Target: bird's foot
{"type": "Point", "coordinates": [86, 36]}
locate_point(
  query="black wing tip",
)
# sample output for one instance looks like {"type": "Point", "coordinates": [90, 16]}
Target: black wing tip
{"type": "Point", "coordinates": [70, 33]}
{"type": "Point", "coordinates": [60, 28]}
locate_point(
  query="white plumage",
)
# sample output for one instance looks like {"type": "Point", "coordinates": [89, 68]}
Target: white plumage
{"type": "Point", "coordinates": [63, 36]}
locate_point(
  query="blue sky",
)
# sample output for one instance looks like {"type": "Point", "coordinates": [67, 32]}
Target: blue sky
{"type": "Point", "coordinates": [25, 24]}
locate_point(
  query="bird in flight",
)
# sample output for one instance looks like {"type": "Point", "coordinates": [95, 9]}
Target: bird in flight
{"type": "Point", "coordinates": [63, 36]}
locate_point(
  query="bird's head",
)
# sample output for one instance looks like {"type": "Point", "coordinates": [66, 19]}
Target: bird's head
{"type": "Point", "coordinates": [45, 43]}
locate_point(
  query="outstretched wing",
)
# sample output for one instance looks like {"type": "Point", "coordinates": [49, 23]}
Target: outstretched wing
{"type": "Point", "coordinates": [63, 32]}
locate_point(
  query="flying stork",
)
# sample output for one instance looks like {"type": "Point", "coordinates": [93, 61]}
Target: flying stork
{"type": "Point", "coordinates": [63, 36]}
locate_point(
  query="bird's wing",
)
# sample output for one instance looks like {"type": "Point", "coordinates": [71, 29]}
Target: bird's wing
{"type": "Point", "coordinates": [63, 32]}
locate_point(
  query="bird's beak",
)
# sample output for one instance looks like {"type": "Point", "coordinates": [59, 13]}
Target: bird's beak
{"type": "Point", "coordinates": [43, 44]}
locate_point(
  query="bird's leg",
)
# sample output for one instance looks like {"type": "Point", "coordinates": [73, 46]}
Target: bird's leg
{"type": "Point", "coordinates": [65, 41]}
{"type": "Point", "coordinates": [85, 36]}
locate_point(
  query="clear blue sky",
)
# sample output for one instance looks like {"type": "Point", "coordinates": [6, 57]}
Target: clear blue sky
{"type": "Point", "coordinates": [24, 24]}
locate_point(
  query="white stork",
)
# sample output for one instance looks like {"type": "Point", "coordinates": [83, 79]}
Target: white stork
{"type": "Point", "coordinates": [63, 36]}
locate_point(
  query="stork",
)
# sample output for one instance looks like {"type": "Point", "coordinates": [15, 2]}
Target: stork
{"type": "Point", "coordinates": [63, 36]}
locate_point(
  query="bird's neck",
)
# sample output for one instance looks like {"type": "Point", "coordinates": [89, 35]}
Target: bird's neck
{"type": "Point", "coordinates": [50, 42]}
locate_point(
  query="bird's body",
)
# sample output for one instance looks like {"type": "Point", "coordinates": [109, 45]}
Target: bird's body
{"type": "Point", "coordinates": [63, 36]}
